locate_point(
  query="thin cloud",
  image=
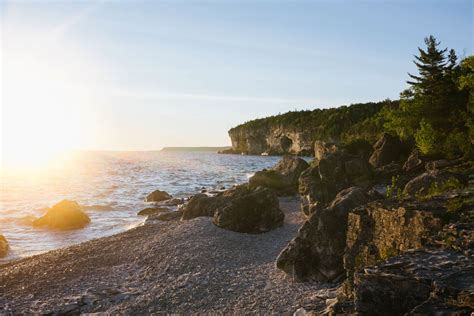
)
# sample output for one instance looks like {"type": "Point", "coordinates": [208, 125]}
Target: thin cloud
{"type": "Point", "coordinates": [66, 25]}
{"type": "Point", "coordinates": [207, 97]}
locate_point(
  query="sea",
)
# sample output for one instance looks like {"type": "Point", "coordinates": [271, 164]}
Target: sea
{"type": "Point", "coordinates": [111, 188]}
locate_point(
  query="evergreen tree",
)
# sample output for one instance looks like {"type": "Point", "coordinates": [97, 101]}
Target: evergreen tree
{"type": "Point", "coordinates": [433, 106]}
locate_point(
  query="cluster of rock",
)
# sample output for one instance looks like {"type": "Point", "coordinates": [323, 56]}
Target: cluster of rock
{"type": "Point", "coordinates": [333, 170]}
{"type": "Point", "coordinates": [393, 256]}
{"type": "Point", "coordinates": [245, 208]}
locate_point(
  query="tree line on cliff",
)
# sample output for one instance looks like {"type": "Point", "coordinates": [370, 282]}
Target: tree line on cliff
{"type": "Point", "coordinates": [436, 111]}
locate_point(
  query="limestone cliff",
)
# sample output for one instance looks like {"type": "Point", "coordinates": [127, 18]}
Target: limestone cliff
{"type": "Point", "coordinates": [296, 132]}
{"type": "Point", "coordinates": [272, 140]}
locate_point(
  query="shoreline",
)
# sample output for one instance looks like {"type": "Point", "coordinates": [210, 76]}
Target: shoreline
{"type": "Point", "coordinates": [172, 267]}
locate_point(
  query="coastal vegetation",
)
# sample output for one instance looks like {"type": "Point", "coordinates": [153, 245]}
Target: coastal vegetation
{"type": "Point", "coordinates": [345, 122]}
{"type": "Point", "coordinates": [435, 112]}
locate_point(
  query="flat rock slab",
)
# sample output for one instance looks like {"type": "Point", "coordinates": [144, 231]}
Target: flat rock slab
{"type": "Point", "coordinates": [419, 282]}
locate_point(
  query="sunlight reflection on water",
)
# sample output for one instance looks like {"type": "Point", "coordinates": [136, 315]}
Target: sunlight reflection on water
{"type": "Point", "coordinates": [111, 186]}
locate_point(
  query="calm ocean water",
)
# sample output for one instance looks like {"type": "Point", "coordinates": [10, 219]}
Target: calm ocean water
{"type": "Point", "coordinates": [111, 186]}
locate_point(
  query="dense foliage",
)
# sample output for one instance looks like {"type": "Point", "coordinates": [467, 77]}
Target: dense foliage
{"type": "Point", "coordinates": [342, 123]}
{"type": "Point", "coordinates": [436, 110]}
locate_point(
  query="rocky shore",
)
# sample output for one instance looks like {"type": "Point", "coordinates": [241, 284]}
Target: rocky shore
{"type": "Point", "coordinates": [188, 266]}
{"type": "Point", "coordinates": [378, 232]}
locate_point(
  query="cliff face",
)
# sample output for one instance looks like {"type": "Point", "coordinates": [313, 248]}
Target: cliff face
{"type": "Point", "coordinates": [296, 132]}
{"type": "Point", "coordinates": [275, 140]}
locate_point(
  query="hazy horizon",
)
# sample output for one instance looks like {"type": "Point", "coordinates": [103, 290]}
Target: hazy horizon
{"type": "Point", "coordinates": [103, 75]}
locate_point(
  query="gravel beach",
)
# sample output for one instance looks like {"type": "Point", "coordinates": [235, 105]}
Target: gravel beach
{"type": "Point", "coordinates": [164, 267]}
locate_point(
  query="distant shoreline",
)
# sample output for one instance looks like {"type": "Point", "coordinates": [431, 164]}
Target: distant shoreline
{"type": "Point", "coordinates": [216, 149]}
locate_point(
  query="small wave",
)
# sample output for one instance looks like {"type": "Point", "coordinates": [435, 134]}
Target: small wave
{"type": "Point", "coordinates": [7, 212]}
{"type": "Point", "coordinates": [26, 220]}
{"type": "Point", "coordinates": [97, 207]}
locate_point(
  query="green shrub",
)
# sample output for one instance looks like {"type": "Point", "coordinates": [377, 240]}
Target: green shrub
{"type": "Point", "coordinates": [394, 190]}
{"type": "Point", "coordinates": [425, 138]}
{"type": "Point", "coordinates": [457, 144]}
{"type": "Point", "coordinates": [454, 205]}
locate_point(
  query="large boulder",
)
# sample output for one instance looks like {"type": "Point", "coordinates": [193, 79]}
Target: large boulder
{"type": "Point", "coordinates": [3, 246]}
{"type": "Point", "coordinates": [253, 213]}
{"type": "Point", "coordinates": [64, 216]}
{"type": "Point", "coordinates": [272, 179]}
{"type": "Point", "coordinates": [317, 251]}
{"type": "Point", "coordinates": [322, 149]}
{"type": "Point", "coordinates": [386, 150]}
{"type": "Point", "coordinates": [206, 205]}
{"type": "Point", "coordinates": [319, 184]}
{"type": "Point", "coordinates": [282, 178]}
{"type": "Point", "coordinates": [422, 183]}
{"type": "Point", "coordinates": [420, 282]}
{"type": "Point", "coordinates": [382, 229]}
{"type": "Point", "coordinates": [386, 228]}
{"type": "Point", "coordinates": [157, 196]}
{"type": "Point", "coordinates": [239, 208]}
{"type": "Point", "coordinates": [200, 205]}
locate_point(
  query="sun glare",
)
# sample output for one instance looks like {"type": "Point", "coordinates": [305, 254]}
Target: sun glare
{"type": "Point", "coordinates": [46, 94]}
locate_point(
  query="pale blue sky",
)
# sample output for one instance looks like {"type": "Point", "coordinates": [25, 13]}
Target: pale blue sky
{"type": "Point", "coordinates": [142, 75]}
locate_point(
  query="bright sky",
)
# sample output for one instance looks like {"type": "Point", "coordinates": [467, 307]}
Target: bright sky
{"type": "Point", "coordinates": [127, 75]}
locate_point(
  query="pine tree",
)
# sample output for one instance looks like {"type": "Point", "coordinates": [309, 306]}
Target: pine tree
{"type": "Point", "coordinates": [434, 86]}
{"type": "Point", "coordinates": [432, 106]}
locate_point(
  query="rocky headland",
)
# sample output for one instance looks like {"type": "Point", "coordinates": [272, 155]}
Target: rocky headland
{"type": "Point", "coordinates": [295, 132]}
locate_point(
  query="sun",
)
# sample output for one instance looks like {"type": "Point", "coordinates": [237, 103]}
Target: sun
{"type": "Point", "coordinates": [46, 97]}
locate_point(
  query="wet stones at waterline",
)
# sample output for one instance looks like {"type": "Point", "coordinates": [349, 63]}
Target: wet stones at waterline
{"type": "Point", "coordinates": [152, 211]}
{"type": "Point", "coordinates": [157, 196]}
